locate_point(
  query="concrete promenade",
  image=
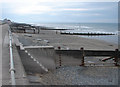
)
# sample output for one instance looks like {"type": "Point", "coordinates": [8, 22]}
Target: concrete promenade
{"type": "Point", "coordinates": [0, 54]}
{"type": "Point", "coordinates": [20, 74]}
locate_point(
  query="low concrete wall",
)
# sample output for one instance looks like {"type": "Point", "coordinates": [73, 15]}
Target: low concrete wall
{"type": "Point", "coordinates": [67, 60]}
{"type": "Point", "coordinates": [50, 58]}
{"type": "Point", "coordinates": [77, 54]}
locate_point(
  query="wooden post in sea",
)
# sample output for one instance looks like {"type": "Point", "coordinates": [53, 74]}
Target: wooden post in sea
{"type": "Point", "coordinates": [38, 29]}
{"type": "Point", "coordinates": [116, 56]}
{"type": "Point", "coordinates": [34, 31]}
{"type": "Point", "coordinates": [24, 31]}
{"type": "Point", "coordinates": [60, 64]}
{"type": "Point", "coordinates": [82, 53]}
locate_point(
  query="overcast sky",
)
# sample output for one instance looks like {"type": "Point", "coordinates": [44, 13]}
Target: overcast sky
{"type": "Point", "coordinates": [49, 11]}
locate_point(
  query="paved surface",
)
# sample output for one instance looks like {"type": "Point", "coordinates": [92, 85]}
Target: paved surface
{"type": "Point", "coordinates": [5, 57]}
{"type": "Point", "coordinates": [20, 75]}
{"type": "Point", "coordinates": [0, 54]}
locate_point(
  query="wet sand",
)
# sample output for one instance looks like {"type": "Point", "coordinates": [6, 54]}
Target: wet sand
{"type": "Point", "coordinates": [72, 42]}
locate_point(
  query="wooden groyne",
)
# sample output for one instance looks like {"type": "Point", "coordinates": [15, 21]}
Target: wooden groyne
{"type": "Point", "coordinates": [24, 28]}
{"type": "Point", "coordinates": [52, 28]}
{"type": "Point", "coordinates": [28, 28]}
{"type": "Point", "coordinates": [82, 54]}
{"type": "Point", "coordinates": [88, 52]}
{"type": "Point", "coordinates": [87, 33]}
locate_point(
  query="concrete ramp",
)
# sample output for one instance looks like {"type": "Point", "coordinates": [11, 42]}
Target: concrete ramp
{"type": "Point", "coordinates": [37, 60]}
{"type": "Point", "coordinates": [45, 56]}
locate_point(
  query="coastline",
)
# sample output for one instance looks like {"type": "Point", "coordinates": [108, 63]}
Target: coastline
{"type": "Point", "coordinates": [89, 28]}
{"type": "Point", "coordinates": [70, 72]}
{"type": "Point", "coordinates": [70, 42]}
{"type": "Point", "coordinates": [112, 39]}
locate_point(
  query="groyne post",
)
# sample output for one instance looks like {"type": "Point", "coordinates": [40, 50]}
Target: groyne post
{"type": "Point", "coordinates": [24, 30]}
{"type": "Point", "coordinates": [60, 63]}
{"type": "Point", "coordinates": [116, 56]}
{"type": "Point", "coordinates": [82, 53]}
{"type": "Point", "coordinates": [34, 31]}
{"type": "Point", "coordinates": [38, 30]}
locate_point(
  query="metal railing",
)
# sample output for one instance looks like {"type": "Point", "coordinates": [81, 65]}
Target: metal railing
{"type": "Point", "coordinates": [12, 69]}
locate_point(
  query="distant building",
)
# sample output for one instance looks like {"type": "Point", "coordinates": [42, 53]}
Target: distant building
{"type": "Point", "coordinates": [7, 21]}
{"type": "Point", "coordinates": [23, 28]}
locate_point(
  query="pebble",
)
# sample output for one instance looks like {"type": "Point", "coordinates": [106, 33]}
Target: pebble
{"type": "Point", "coordinates": [77, 75]}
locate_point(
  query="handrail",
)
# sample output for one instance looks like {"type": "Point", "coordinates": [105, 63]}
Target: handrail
{"type": "Point", "coordinates": [12, 69]}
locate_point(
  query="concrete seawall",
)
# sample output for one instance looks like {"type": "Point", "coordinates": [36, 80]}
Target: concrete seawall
{"type": "Point", "coordinates": [37, 60]}
{"type": "Point", "coordinates": [87, 52]}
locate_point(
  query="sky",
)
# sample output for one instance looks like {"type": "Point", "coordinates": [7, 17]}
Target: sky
{"type": "Point", "coordinates": [60, 11]}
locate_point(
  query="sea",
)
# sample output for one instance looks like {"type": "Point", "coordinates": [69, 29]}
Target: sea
{"type": "Point", "coordinates": [89, 27]}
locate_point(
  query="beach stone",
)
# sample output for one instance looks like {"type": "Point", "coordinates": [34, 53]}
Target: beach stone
{"type": "Point", "coordinates": [76, 75]}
